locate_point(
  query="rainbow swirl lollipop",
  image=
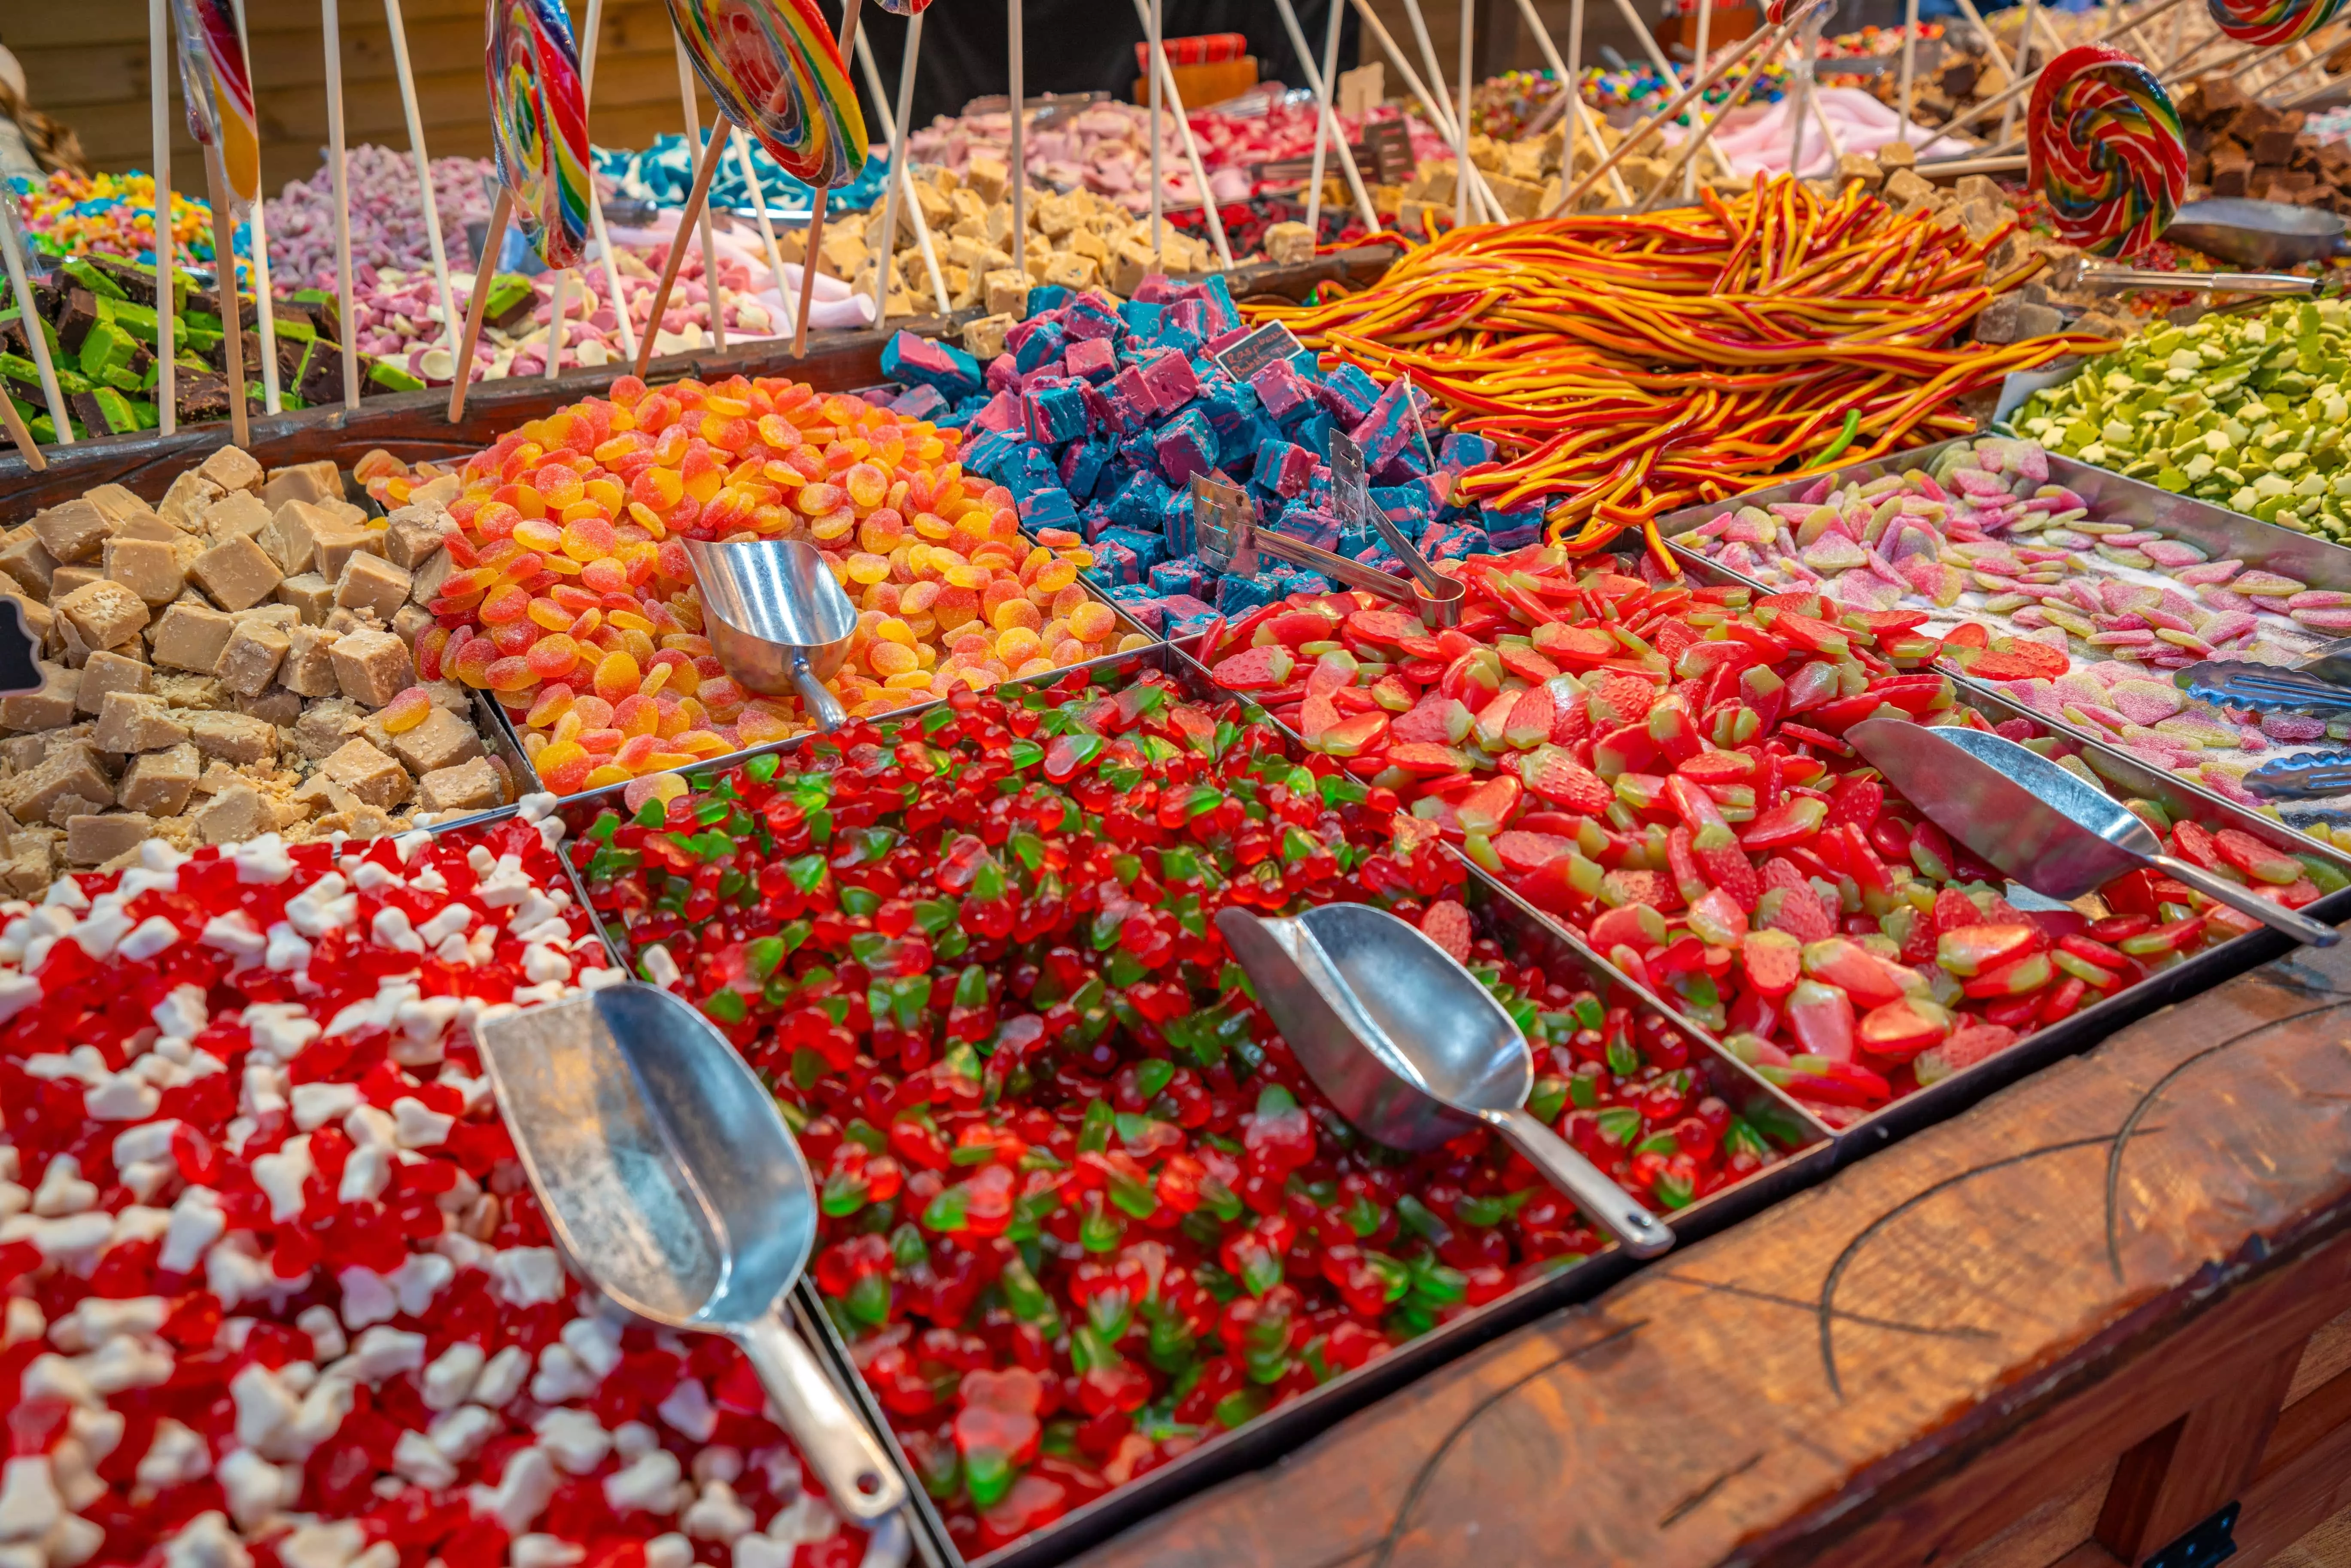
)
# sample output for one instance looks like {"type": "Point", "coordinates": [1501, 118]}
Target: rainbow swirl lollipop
{"type": "Point", "coordinates": [540, 125]}
{"type": "Point", "coordinates": [219, 90]}
{"type": "Point", "coordinates": [775, 70]}
{"type": "Point", "coordinates": [2105, 148]}
{"type": "Point", "coordinates": [2272, 21]}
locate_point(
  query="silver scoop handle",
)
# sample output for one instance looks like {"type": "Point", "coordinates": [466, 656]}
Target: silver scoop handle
{"type": "Point", "coordinates": [856, 1473]}
{"type": "Point", "coordinates": [2101, 276]}
{"type": "Point", "coordinates": [1643, 1234]}
{"type": "Point", "coordinates": [824, 709]}
{"type": "Point", "coordinates": [2276, 916]}
{"type": "Point", "coordinates": [1440, 604]}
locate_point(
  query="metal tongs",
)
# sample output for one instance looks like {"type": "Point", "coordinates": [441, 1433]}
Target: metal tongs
{"type": "Point", "coordinates": [2081, 272]}
{"type": "Point", "coordinates": [1224, 527]}
{"type": "Point", "coordinates": [2320, 684]}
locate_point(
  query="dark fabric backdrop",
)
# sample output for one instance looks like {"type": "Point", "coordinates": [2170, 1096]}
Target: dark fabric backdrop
{"type": "Point", "coordinates": [1078, 45]}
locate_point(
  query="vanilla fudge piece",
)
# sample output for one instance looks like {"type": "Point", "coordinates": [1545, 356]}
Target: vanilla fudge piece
{"type": "Point", "coordinates": [413, 533]}
{"type": "Point", "coordinates": [71, 771]}
{"type": "Point", "coordinates": [310, 482]}
{"type": "Point", "coordinates": [159, 782]}
{"type": "Point", "coordinates": [191, 637]}
{"type": "Point", "coordinates": [291, 535]}
{"type": "Point", "coordinates": [238, 512]}
{"type": "Point", "coordinates": [468, 787]}
{"type": "Point", "coordinates": [149, 568]}
{"type": "Point", "coordinates": [236, 573]}
{"type": "Point", "coordinates": [443, 740]}
{"type": "Point", "coordinates": [249, 662]}
{"type": "Point", "coordinates": [231, 468]}
{"type": "Point", "coordinates": [94, 840]}
{"type": "Point", "coordinates": [277, 707]}
{"type": "Point", "coordinates": [51, 707]}
{"type": "Point", "coordinates": [105, 673]}
{"type": "Point", "coordinates": [189, 497]}
{"type": "Point", "coordinates": [40, 621]}
{"type": "Point", "coordinates": [368, 773]}
{"type": "Point", "coordinates": [28, 563]}
{"type": "Point", "coordinates": [372, 667]}
{"type": "Point", "coordinates": [308, 669]}
{"type": "Point", "coordinates": [103, 613]}
{"type": "Point", "coordinates": [372, 585]}
{"type": "Point", "coordinates": [72, 530]}
{"type": "Point", "coordinates": [119, 504]}
{"type": "Point", "coordinates": [137, 721]}
{"type": "Point", "coordinates": [336, 545]}
{"type": "Point", "coordinates": [236, 813]}
{"type": "Point", "coordinates": [233, 737]}
{"type": "Point", "coordinates": [311, 596]}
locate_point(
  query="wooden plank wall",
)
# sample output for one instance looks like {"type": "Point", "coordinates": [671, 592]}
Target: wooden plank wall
{"type": "Point", "coordinates": [86, 63]}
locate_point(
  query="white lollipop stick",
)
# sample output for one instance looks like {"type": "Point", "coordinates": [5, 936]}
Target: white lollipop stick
{"type": "Point", "coordinates": [1570, 73]}
{"type": "Point", "coordinates": [555, 308]}
{"type": "Point", "coordinates": [1020, 171]}
{"type": "Point", "coordinates": [742, 148]}
{"type": "Point", "coordinates": [1439, 117]}
{"type": "Point", "coordinates": [901, 174]}
{"type": "Point", "coordinates": [1910, 63]}
{"type": "Point", "coordinates": [1665, 69]}
{"type": "Point", "coordinates": [1461, 120]}
{"type": "Point", "coordinates": [159, 54]}
{"type": "Point", "coordinates": [1698, 64]}
{"type": "Point", "coordinates": [702, 150]}
{"type": "Point", "coordinates": [1328, 133]}
{"type": "Point", "coordinates": [272, 397]}
{"type": "Point", "coordinates": [1191, 150]}
{"type": "Point", "coordinates": [819, 201]}
{"type": "Point", "coordinates": [595, 201]}
{"type": "Point", "coordinates": [400, 64]}
{"type": "Point", "coordinates": [1151, 27]}
{"type": "Point", "coordinates": [346, 316]}
{"type": "Point", "coordinates": [19, 287]}
{"type": "Point", "coordinates": [1452, 126]}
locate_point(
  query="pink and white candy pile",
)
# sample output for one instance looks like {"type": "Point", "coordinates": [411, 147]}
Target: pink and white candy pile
{"type": "Point", "coordinates": [1105, 148]}
{"type": "Point", "coordinates": [1286, 130]}
{"type": "Point", "coordinates": [387, 219]}
{"type": "Point", "coordinates": [276, 1294]}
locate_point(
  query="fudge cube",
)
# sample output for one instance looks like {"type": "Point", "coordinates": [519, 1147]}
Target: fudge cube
{"type": "Point", "coordinates": [409, 620]}
{"type": "Point", "coordinates": [308, 668]}
{"type": "Point", "coordinates": [291, 535]}
{"type": "Point", "coordinates": [310, 595]}
{"type": "Point", "coordinates": [65, 579]}
{"type": "Point", "coordinates": [236, 573]}
{"type": "Point", "coordinates": [368, 773]}
{"type": "Point", "coordinates": [468, 787]}
{"type": "Point", "coordinates": [104, 673]}
{"type": "Point", "coordinates": [103, 613]}
{"type": "Point", "coordinates": [249, 663]}
{"type": "Point", "coordinates": [70, 771]}
{"type": "Point", "coordinates": [137, 721]}
{"type": "Point", "coordinates": [413, 533]}
{"type": "Point", "coordinates": [231, 468]}
{"type": "Point", "coordinates": [51, 707]}
{"type": "Point", "coordinates": [190, 637]}
{"type": "Point", "coordinates": [148, 567]}
{"type": "Point", "coordinates": [426, 578]}
{"type": "Point", "coordinates": [372, 584]}
{"type": "Point", "coordinates": [238, 512]}
{"type": "Point", "coordinates": [25, 867]}
{"type": "Point", "coordinates": [277, 707]}
{"type": "Point", "coordinates": [160, 781]}
{"type": "Point", "coordinates": [95, 840]}
{"type": "Point", "coordinates": [189, 496]}
{"type": "Point", "coordinates": [120, 505]}
{"type": "Point", "coordinates": [443, 740]}
{"type": "Point", "coordinates": [338, 544]}
{"type": "Point", "coordinates": [28, 563]}
{"type": "Point", "coordinates": [236, 813]}
{"type": "Point", "coordinates": [72, 530]}
{"type": "Point", "coordinates": [233, 737]}
{"type": "Point", "coordinates": [318, 481]}
{"type": "Point", "coordinates": [372, 666]}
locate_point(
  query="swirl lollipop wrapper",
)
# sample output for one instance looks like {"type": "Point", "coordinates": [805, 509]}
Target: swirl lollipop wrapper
{"type": "Point", "coordinates": [2272, 21]}
{"type": "Point", "coordinates": [774, 70]}
{"type": "Point", "coordinates": [538, 124]}
{"type": "Point", "coordinates": [219, 92]}
{"type": "Point", "coordinates": [2105, 147]}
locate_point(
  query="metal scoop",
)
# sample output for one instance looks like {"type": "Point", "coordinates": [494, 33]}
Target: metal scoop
{"type": "Point", "coordinates": [1411, 1049]}
{"type": "Point", "coordinates": [2259, 234]}
{"type": "Point", "coordinates": [777, 619]}
{"type": "Point", "coordinates": [671, 1182]}
{"type": "Point", "coordinates": [1224, 527]}
{"type": "Point", "coordinates": [2036, 822]}
{"type": "Point", "coordinates": [2083, 272]}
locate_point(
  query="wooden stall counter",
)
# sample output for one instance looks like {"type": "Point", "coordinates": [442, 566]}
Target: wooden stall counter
{"type": "Point", "coordinates": [2075, 1324]}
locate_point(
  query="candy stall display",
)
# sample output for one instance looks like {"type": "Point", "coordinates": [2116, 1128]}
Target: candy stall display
{"type": "Point", "coordinates": [230, 662]}
{"type": "Point", "coordinates": [1083, 1212]}
{"type": "Point", "coordinates": [275, 1281]}
{"type": "Point", "coordinates": [569, 602]}
{"type": "Point", "coordinates": [1659, 765]}
{"type": "Point", "coordinates": [1095, 419]}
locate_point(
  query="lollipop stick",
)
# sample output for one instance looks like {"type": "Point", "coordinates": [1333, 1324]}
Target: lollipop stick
{"type": "Point", "coordinates": [1685, 154]}
{"type": "Point", "coordinates": [595, 30]}
{"type": "Point", "coordinates": [556, 305]}
{"type": "Point", "coordinates": [1174, 100]}
{"type": "Point", "coordinates": [433, 242]}
{"type": "Point", "coordinates": [817, 203]}
{"type": "Point", "coordinates": [1438, 116]}
{"type": "Point", "coordinates": [2023, 55]}
{"type": "Point", "coordinates": [1570, 73]}
{"type": "Point", "coordinates": [1151, 27]}
{"type": "Point", "coordinates": [21, 436]}
{"type": "Point", "coordinates": [258, 257]}
{"type": "Point", "coordinates": [709, 248]}
{"type": "Point", "coordinates": [1018, 89]}
{"type": "Point", "coordinates": [901, 182]}
{"type": "Point", "coordinates": [1665, 67]}
{"type": "Point", "coordinates": [159, 54]}
{"type": "Point", "coordinates": [704, 171]}
{"type": "Point", "coordinates": [1697, 65]}
{"type": "Point", "coordinates": [232, 307]}
{"type": "Point", "coordinates": [742, 144]}
{"type": "Point", "coordinates": [477, 304]}
{"type": "Point", "coordinates": [1909, 64]}
{"type": "Point", "coordinates": [1452, 125]}
{"type": "Point", "coordinates": [13, 242]}
{"type": "Point", "coordinates": [346, 326]}
{"type": "Point", "coordinates": [1461, 120]}
{"type": "Point", "coordinates": [1322, 83]}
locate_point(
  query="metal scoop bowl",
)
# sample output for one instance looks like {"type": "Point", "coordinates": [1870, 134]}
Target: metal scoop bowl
{"type": "Point", "coordinates": [2259, 234]}
{"type": "Point", "coordinates": [671, 1184]}
{"type": "Point", "coordinates": [778, 620]}
{"type": "Point", "coordinates": [1411, 1049]}
{"type": "Point", "coordinates": [2034, 821]}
